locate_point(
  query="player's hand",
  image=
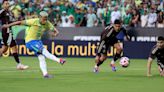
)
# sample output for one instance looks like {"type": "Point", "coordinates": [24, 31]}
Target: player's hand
{"type": "Point", "coordinates": [56, 33]}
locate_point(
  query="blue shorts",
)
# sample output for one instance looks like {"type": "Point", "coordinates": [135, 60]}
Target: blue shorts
{"type": "Point", "coordinates": [35, 45]}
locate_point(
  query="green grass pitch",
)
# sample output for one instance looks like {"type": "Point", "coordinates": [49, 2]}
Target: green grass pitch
{"type": "Point", "coordinates": [77, 76]}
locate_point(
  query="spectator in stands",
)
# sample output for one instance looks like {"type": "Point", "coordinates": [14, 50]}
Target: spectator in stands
{"type": "Point", "coordinates": [79, 16]}
{"type": "Point", "coordinates": [71, 21]}
{"type": "Point", "coordinates": [144, 19]}
{"type": "Point", "coordinates": [124, 8]}
{"type": "Point", "coordinates": [91, 19]}
{"type": "Point", "coordinates": [138, 2]}
{"type": "Point", "coordinates": [160, 20]}
{"type": "Point", "coordinates": [152, 18]}
{"type": "Point", "coordinates": [100, 10]}
{"type": "Point", "coordinates": [63, 6]}
{"type": "Point", "coordinates": [135, 18]}
{"type": "Point", "coordinates": [115, 14]}
{"type": "Point", "coordinates": [107, 16]}
{"type": "Point", "coordinates": [80, 5]}
{"type": "Point", "coordinates": [100, 15]}
{"type": "Point", "coordinates": [73, 1]}
{"type": "Point", "coordinates": [70, 9]}
{"type": "Point", "coordinates": [64, 19]}
{"type": "Point", "coordinates": [16, 10]}
{"type": "Point", "coordinates": [57, 20]}
{"type": "Point", "coordinates": [105, 9]}
{"type": "Point", "coordinates": [127, 18]}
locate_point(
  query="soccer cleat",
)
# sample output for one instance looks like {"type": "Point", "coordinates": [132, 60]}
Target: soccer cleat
{"type": "Point", "coordinates": [47, 76]}
{"type": "Point", "coordinates": [62, 61]}
{"type": "Point", "coordinates": [113, 67]}
{"type": "Point", "coordinates": [22, 67]}
{"type": "Point", "coordinates": [96, 69]}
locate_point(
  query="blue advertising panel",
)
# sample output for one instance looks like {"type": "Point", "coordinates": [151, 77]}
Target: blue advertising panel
{"type": "Point", "coordinates": [138, 49]}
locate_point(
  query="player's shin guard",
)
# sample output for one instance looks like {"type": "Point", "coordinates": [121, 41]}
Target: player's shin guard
{"type": "Point", "coordinates": [43, 65]}
{"type": "Point", "coordinates": [16, 57]}
{"type": "Point", "coordinates": [116, 57]}
{"type": "Point", "coordinates": [99, 63]}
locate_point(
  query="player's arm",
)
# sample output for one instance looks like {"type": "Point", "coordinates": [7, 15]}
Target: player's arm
{"type": "Point", "coordinates": [161, 71]}
{"type": "Point", "coordinates": [54, 31]}
{"type": "Point", "coordinates": [23, 22]}
{"type": "Point", "coordinates": [1, 13]}
{"type": "Point", "coordinates": [13, 24]}
{"type": "Point", "coordinates": [106, 32]}
{"type": "Point", "coordinates": [126, 33]}
{"type": "Point", "coordinates": [149, 63]}
{"type": "Point", "coordinates": [152, 56]}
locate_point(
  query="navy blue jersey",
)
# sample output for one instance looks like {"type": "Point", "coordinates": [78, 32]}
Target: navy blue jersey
{"type": "Point", "coordinates": [110, 33]}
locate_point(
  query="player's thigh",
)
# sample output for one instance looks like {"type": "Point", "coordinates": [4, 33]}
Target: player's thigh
{"type": "Point", "coordinates": [103, 57]}
{"type": "Point", "coordinates": [97, 57]}
{"type": "Point", "coordinates": [118, 46]}
{"type": "Point", "coordinates": [4, 48]}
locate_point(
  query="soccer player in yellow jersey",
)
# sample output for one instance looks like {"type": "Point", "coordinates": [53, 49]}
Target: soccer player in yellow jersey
{"type": "Point", "coordinates": [34, 31]}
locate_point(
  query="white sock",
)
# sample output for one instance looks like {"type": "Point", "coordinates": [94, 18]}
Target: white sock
{"type": "Point", "coordinates": [43, 65]}
{"type": "Point", "coordinates": [48, 55]}
{"type": "Point", "coordinates": [96, 66]}
{"type": "Point", "coordinates": [112, 62]}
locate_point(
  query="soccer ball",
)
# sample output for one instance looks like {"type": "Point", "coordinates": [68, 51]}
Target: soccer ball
{"type": "Point", "coordinates": [124, 62]}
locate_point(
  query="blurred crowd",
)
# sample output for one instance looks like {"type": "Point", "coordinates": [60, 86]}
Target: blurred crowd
{"type": "Point", "coordinates": [90, 13]}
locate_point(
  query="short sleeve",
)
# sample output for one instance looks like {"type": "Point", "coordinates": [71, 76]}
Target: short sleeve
{"type": "Point", "coordinates": [50, 26]}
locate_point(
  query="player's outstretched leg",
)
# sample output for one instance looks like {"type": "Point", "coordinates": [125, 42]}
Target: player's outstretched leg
{"type": "Point", "coordinates": [48, 55]}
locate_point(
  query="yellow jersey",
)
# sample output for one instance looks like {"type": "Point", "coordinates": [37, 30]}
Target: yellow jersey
{"type": "Point", "coordinates": [35, 29]}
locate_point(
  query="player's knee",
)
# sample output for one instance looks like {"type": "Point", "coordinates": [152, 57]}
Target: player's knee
{"type": "Point", "coordinates": [4, 49]}
{"type": "Point", "coordinates": [103, 58]}
{"type": "Point", "coordinates": [14, 51]}
{"type": "Point", "coordinates": [97, 58]}
{"type": "Point", "coordinates": [119, 49]}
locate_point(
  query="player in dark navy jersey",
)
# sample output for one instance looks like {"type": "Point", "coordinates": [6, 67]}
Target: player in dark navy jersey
{"type": "Point", "coordinates": [109, 38]}
{"type": "Point", "coordinates": [158, 53]}
{"type": "Point", "coordinates": [6, 17]}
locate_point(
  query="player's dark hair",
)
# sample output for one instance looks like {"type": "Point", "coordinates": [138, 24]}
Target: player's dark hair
{"type": "Point", "coordinates": [160, 38]}
{"type": "Point", "coordinates": [4, 1]}
{"type": "Point", "coordinates": [117, 21]}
